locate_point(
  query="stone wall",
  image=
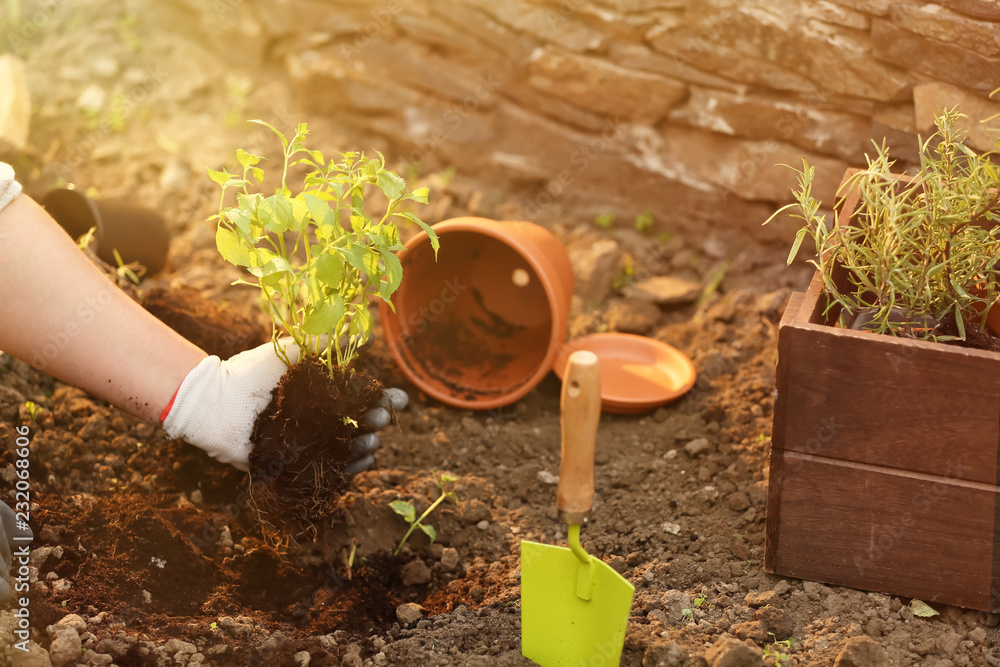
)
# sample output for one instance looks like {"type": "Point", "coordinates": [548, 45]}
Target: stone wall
{"type": "Point", "coordinates": [683, 108]}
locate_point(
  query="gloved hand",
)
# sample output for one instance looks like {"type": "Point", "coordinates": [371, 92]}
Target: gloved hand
{"type": "Point", "coordinates": [218, 402]}
{"type": "Point", "coordinates": [8, 531]}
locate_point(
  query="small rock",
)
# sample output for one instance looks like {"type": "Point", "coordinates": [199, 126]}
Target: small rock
{"type": "Point", "coordinates": [814, 589]}
{"type": "Point", "coordinates": [302, 658]}
{"type": "Point", "coordinates": [634, 316]}
{"type": "Point", "coordinates": [175, 646]}
{"type": "Point", "coordinates": [862, 651]}
{"type": "Point", "coordinates": [674, 603]}
{"type": "Point", "coordinates": [92, 99]}
{"type": "Point", "coordinates": [409, 612]}
{"type": "Point", "coordinates": [752, 630]}
{"type": "Point", "coordinates": [74, 621]}
{"type": "Point", "coordinates": [104, 66]}
{"type": "Point", "coordinates": [738, 501]}
{"type": "Point", "coordinates": [52, 534]}
{"type": "Point", "coordinates": [175, 176]}
{"type": "Point", "coordinates": [698, 447]}
{"type": "Point", "coordinates": [95, 428]}
{"type": "Point", "coordinates": [782, 587]}
{"type": "Point", "coordinates": [483, 525]}
{"type": "Point", "coordinates": [596, 265]}
{"type": "Point", "coordinates": [416, 573]}
{"type": "Point", "coordinates": [729, 652]}
{"type": "Point", "coordinates": [665, 290]}
{"type": "Point", "coordinates": [759, 598]}
{"type": "Point", "coordinates": [196, 497]}
{"type": "Point", "coordinates": [617, 563]}
{"type": "Point", "coordinates": [225, 538]}
{"type": "Point", "coordinates": [665, 654]}
{"type": "Point", "coordinates": [449, 558]}
{"type": "Point", "coordinates": [65, 647]}
{"type": "Point", "coordinates": [775, 621]}
{"type": "Point", "coordinates": [672, 528]}
{"type": "Point", "coordinates": [113, 647]}
{"type": "Point", "coordinates": [545, 477]}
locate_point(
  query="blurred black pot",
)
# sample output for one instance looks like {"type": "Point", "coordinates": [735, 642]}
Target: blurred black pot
{"type": "Point", "coordinates": [139, 234]}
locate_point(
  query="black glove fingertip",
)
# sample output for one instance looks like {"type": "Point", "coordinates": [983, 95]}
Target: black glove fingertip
{"type": "Point", "coordinates": [360, 465]}
{"type": "Point", "coordinates": [364, 444]}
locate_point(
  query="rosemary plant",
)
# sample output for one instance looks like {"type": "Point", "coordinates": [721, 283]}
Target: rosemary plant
{"type": "Point", "coordinates": [921, 252]}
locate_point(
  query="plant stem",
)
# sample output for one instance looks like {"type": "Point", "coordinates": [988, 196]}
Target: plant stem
{"type": "Point", "coordinates": [416, 523]}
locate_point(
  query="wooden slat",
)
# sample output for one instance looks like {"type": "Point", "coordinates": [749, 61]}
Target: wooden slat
{"type": "Point", "coordinates": [884, 530]}
{"type": "Point", "coordinates": [888, 401]}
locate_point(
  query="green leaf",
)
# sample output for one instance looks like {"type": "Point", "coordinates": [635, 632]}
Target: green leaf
{"type": "Point", "coordinates": [246, 159]}
{"type": "Point", "coordinates": [420, 195]}
{"type": "Point", "coordinates": [392, 185]}
{"type": "Point", "coordinates": [358, 223]}
{"type": "Point", "coordinates": [275, 265]}
{"type": "Point", "coordinates": [393, 275]}
{"type": "Point", "coordinates": [239, 218]}
{"type": "Point", "coordinates": [320, 210]}
{"type": "Point", "coordinates": [404, 509]}
{"type": "Point", "coordinates": [431, 533]}
{"type": "Point", "coordinates": [323, 318]}
{"type": "Point", "coordinates": [275, 213]}
{"type": "Point", "coordinates": [330, 269]}
{"type": "Point", "coordinates": [361, 322]}
{"type": "Point", "coordinates": [435, 243]}
{"type": "Point", "coordinates": [922, 609]}
{"type": "Point", "coordinates": [799, 236]}
{"type": "Point", "coordinates": [230, 247]}
{"type": "Point", "coordinates": [220, 177]}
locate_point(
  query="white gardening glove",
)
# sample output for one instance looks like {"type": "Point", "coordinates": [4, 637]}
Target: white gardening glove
{"type": "Point", "coordinates": [218, 402]}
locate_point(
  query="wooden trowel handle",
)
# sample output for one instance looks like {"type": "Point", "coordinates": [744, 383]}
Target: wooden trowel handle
{"type": "Point", "coordinates": [581, 411]}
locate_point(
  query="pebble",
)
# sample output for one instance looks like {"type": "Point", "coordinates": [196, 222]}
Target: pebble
{"type": "Point", "coordinates": [92, 99]}
{"type": "Point", "coordinates": [416, 573]}
{"type": "Point", "coordinates": [862, 651]}
{"type": "Point", "coordinates": [483, 525]}
{"type": "Point", "coordinates": [302, 658]}
{"type": "Point", "coordinates": [65, 647]}
{"type": "Point", "coordinates": [449, 558]}
{"type": "Point", "coordinates": [545, 477]}
{"type": "Point", "coordinates": [729, 652]}
{"type": "Point", "coordinates": [760, 598]}
{"type": "Point", "coordinates": [409, 612]}
{"type": "Point", "coordinates": [697, 447]}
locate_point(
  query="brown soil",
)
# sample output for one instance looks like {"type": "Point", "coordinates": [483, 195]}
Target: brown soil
{"type": "Point", "coordinates": [301, 443]}
{"type": "Point", "coordinates": [214, 329]}
{"type": "Point", "coordinates": [112, 498]}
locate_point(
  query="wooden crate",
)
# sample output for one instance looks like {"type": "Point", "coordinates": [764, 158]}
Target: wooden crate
{"type": "Point", "coordinates": [884, 462]}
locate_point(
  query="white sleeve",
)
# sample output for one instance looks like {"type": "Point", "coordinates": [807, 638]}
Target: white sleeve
{"type": "Point", "coordinates": [9, 188]}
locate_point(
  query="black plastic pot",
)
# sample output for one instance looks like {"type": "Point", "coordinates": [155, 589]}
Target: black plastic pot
{"type": "Point", "coordinates": [139, 234]}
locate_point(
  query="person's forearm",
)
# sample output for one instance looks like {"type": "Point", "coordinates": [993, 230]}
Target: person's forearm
{"type": "Point", "coordinates": [60, 314]}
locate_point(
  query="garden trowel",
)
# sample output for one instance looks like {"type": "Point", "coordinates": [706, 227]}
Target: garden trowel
{"type": "Point", "coordinates": [574, 607]}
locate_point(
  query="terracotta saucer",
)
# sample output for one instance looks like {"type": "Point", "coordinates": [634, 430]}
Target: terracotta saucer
{"type": "Point", "coordinates": [638, 374]}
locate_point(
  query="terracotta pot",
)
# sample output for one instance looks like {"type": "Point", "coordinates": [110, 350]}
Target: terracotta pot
{"type": "Point", "coordinates": [139, 234]}
{"type": "Point", "coordinates": [482, 325]}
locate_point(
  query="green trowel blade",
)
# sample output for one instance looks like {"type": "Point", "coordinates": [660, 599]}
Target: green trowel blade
{"type": "Point", "coordinates": [558, 626]}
